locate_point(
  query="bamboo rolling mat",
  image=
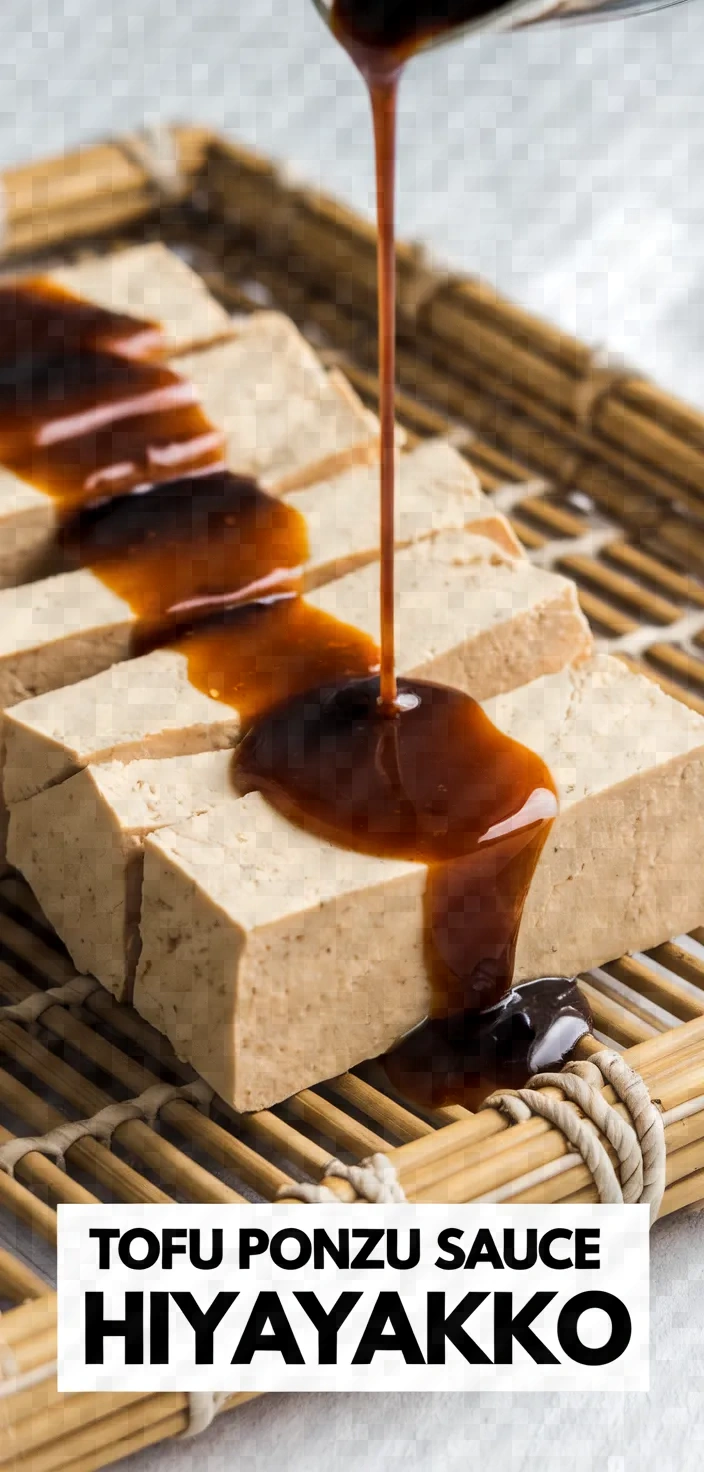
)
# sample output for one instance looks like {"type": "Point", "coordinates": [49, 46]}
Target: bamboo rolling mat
{"type": "Point", "coordinates": [602, 475]}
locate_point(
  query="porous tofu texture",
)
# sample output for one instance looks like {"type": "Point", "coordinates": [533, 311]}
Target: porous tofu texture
{"type": "Point", "coordinates": [272, 960]}
{"type": "Point", "coordinates": [89, 835]}
{"type": "Point", "coordinates": [481, 624]}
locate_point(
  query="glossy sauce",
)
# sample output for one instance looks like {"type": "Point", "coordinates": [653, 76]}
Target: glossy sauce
{"type": "Point", "coordinates": [84, 413]}
{"type": "Point", "coordinates": [393, 30]}
{"type": "Point", "coordinates": [259, 655]}
{"type": "Point", "coordinates": [437, 785]}
{"type": "Point", "coordinates": [189, 547]}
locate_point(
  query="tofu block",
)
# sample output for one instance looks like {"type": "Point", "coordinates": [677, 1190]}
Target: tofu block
{"type": "Point", "coordinates": [145, 707]}
{"type": "Point", "coordinates": [146, 281]}
{"type": "Point", "coordinates": [481, 623]}
{"type": "Point", "coordinates": [436, 491]}
{"type": "Point", "coordinates": [272, 960]}
{"type": "Point", "coordinates": [95, 826]}
{"type": "Point", "coordinates": [153, 283]}
{"type": "Point", "coordinates": [459, 613]}
{"type": "Point", "coordinates": [148, 707]}
{"type": "Point", "coordinates": [286, 421]}
{"type": "Point", "coordinates": [59, 630]}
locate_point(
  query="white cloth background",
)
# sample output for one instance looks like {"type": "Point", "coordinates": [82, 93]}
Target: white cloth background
{"type": "Point", "coordinates": [566, 167]}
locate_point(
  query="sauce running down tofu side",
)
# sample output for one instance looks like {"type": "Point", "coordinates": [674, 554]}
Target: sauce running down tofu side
{"type": "Point", "coordinates": [209, 564]}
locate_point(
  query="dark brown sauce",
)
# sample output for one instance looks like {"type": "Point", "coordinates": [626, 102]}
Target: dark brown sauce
{"type": "Point", "coordinates": [258, 655]}
{"type": "Point", "coordinates": [38, 319]}
{"type": "Point", "coordinates": [380, 36]}
{"type": "Point", "coordinates": [438, 784]}
{"type": "Point", "coordinates": [410, 770]}
{"type": "Point", "coordinates": [534, 1028]}
{"type": "Point", "coordinates": [188, 547]}
{"type": "Point", "coordinates": [133, 464]}
{"type": "Point", "coordinates": [396, 29]}
{"type": "Point", "coordinates": [209, 563]}
{"type": "Point", "coordinates": [53, 398]}
{"type": "Point", "coordinates": [86, 470]}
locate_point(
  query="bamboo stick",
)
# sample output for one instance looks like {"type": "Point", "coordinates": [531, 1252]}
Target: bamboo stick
{"type": "Point", "coordinates": [159, 1155]}
{"type": "Point", "coordinates": [466, 318]}
{"type": "Point", "coordinates": [344, 1132]}
{"type": "Point", "coordinates": [136, 1078]}
{"type": "Point", "coordinates": [426, 1165]}
{"type": "Point", "coordinates": [88, 191]}
{"type": "Point", "coordinates": [17, 1281]}
{"type": "Point", "coordinates": [31, 948]}
{"type": "Point", "coordinates": [660, 989]}
{"type": "Point", "coordinates": [392, 1116]}
{"type": "Point", "coordinates": [88, 1155]}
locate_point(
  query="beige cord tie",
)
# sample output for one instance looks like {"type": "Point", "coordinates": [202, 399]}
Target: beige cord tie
{"type": "Point", "coordinates": [102, 1125]}
{"type": "Point", "coordinates": [72, 994]}
{"type": "Point", "coordinates": [604, 372]}
{"type": "Point", "coordinates": [154, 149]}
{"type": "Point", "coordinates": [374, 1180]}
{"type": "Point", "coordinates": [639, 1146]}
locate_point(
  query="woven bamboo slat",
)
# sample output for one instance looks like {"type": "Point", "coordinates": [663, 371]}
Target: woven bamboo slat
{"type": "Point", "coordinates": [602, 475]}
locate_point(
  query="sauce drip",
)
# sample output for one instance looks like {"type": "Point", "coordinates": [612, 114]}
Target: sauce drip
{"type": "Point", "coordinates": [393, 30]}
{"type": "Point", "coordinates": [135, 468]}
{"type": "Point", "coordinates": [39, 319]}
{"type": "Point", "coordinates": [380, 36]}
{"type": "Point", "coordinates": [534, 1028]}
{"type": "Point", "coordinates": [84, 414]}
{"type": "Point", "coordinates": [406, 769]}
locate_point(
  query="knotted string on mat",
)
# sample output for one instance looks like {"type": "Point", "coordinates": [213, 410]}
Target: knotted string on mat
{"type": "Point", "coordinates": [154, 149]}
{"type": "Point", "coordinates": [429, 277]}
{"type": "Point", "coordinates": [605, 371]}
{"type": "Point", "coordinates": [639, 1145]}
{"type": "Point", "coordinates": [203, 1407]}
{"type": "Point", "coordinates": [102, 1125]}
{"type": "Point", "coordinates": [374, 1180]}
{"type": "Point", "coordinates": [72, 994]}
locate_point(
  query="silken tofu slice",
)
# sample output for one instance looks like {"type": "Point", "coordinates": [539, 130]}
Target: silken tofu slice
{"type": "Point", "coordinates": [285, 421]}
{"type": "Point", "coordinates": [272, 960]}
{"type": "Point", "coordinates": [460, 612]}
{"type": "Point", "coordinates": [148, 707]}
{"type": "Point", "coordinates": [147, 281]}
